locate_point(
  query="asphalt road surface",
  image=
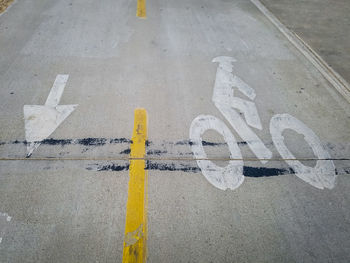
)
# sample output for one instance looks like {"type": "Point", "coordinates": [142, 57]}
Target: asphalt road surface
{"type": "Point", "coordinates": [245, 149]}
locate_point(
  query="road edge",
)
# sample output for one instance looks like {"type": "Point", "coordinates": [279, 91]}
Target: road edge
{"type": "Point", "coordinates": [337, 81]}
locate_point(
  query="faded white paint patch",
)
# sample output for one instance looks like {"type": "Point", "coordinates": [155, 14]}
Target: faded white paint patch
{"type": "Point", "coordinates": [229, 177]}
{"type": "Point", "coordinates": [6, 215]}
{"type": "Point", "coordinates": [2, 225]}
{"type": "Point", "coordinates": [41, 121]}
{"type": "Point", "coordinates": [323, 174]}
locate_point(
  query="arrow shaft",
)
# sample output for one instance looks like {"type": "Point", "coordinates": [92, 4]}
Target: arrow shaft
{"type": "Point", "coordinates": [56, 91]}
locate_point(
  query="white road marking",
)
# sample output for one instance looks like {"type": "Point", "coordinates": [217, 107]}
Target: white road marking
{"type": "Point", "coordinates": [323, 174]}
{"type": "Point", "coordinates": [42, 120]}
{"type": "Point", "coordinates": [227, 103]}
{"type": "Point", "coordinates": [56, 91]}
{"type": "Point", "coordinates": [231, 176]}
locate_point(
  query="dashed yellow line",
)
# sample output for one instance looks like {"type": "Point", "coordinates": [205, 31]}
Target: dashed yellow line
{"type": "Point", "coordinates": [141, 8]}
{"type": "Point", "coordinates": [135, 247]}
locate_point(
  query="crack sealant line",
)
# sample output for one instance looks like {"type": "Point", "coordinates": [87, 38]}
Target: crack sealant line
{"type": "Point", "coordinates": [167, 159]}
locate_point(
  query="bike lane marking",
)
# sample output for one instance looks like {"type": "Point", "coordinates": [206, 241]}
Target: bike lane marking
{"type": "Point", "coordinates": [141, 8]}
{"type": "Point", "coordinates": [42, 120]}
{"type": "Point", "coordinates": [135, 248]}
{"type": "Point", "coordinates": [323, 175]}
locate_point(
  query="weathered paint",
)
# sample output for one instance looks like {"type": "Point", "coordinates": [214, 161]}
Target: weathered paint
{"type": "Point", "coordinates": [225, 100]}
{"type": "Point", "coordinates": [135, 247]}
{"type": "Point", "coordinates": [141, 8]}
{"type": "Point", "coordinates": [8, 219]}
{"type": "Point", "coordinates": [231, 176]}
{"type": "Point", "coordinates": [41, 121]}
{"type": "Point", "coordinates": [323, 174]}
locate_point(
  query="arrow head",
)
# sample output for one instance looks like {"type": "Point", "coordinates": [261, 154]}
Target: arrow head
{"type": "Point", "coordinates": [41, 121]}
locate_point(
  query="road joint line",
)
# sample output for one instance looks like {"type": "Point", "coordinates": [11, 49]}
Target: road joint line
{"type": "Point", "coordinates": [169, 159]}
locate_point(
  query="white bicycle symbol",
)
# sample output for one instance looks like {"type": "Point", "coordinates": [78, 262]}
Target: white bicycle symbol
{"type": "Point", "coordinates": [321, 176]}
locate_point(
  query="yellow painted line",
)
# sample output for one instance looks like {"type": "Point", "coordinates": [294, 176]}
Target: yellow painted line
{"type": "Point", "coordinates": [141, 8]}
{"type": "Point", "coordinates": [135, 239]}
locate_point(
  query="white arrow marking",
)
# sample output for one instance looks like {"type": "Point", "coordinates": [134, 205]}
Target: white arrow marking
{"type": "Point", "coordinates": [41, 121]}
